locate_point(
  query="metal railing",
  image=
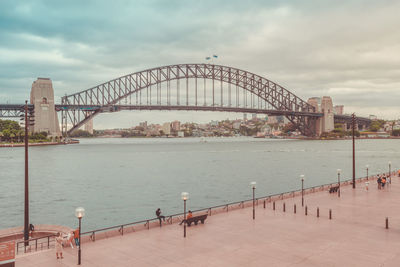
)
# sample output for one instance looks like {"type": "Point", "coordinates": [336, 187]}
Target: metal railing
{"type": "Point", "coordinates": [35, 244]}
{"type": "Point", "coordinates": [227, 206]}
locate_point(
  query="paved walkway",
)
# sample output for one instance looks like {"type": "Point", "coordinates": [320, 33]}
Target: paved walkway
{"type": "Point", "coordinates": [356, 236]}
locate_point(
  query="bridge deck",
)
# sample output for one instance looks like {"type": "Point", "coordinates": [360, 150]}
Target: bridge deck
{"type": "Point", "coordinates": [356, 236]}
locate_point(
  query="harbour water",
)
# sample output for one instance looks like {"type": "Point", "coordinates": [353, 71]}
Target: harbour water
{"type": "Point", "coordinates": [124, 180]}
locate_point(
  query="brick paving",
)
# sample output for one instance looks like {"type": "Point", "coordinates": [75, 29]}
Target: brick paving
{"type": "Point", "coordinates": [356, 236]}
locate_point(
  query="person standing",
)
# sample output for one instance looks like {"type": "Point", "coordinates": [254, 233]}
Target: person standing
{"type": "Point", "coordinates": [379, 181]}
{"type": "Point", "coordinates": [159, 216]}
{"type": "Point", "coordinates": [59, 247]}
{"type": "Point", "coordinates": [76, 237]}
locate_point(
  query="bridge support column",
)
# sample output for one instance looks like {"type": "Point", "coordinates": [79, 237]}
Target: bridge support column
{"type": "Point", "coordinates": [328, 118]}
{"type": "Point", "coordinates": [89, 126]}
{"type": "Point", "coordinates": [314, 102]}
{"type": "Point", "coordinates": [42, 96]}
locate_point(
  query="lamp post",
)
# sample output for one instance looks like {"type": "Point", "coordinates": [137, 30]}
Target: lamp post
{"type": "Point", "coordinates": [390, 172]}
{"type": "Point", "coordinates": [79, 213]}
{"type": "Point", "coordinates": [184, 196]}
{"type": "Point", "coordinates": [367, 166]}
{"type": "Point", "coordinates": [354, 151]}
{"type": "Point", "coordinates": [253, 186]}
{"type": "Point", "coordinates": [338, 178]}
{"type": "Point", "coordinates": [26, 213]}
{"type": "Point", "coordinates": [302, 190]}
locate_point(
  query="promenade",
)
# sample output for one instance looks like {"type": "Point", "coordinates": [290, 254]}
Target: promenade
{"type": "Point", "coordinates": [355, 236]}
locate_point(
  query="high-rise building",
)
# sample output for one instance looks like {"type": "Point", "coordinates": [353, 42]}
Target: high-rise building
{"type": "Point", "coordinates": [176, 125]}
{"type": "Point", "coordinates": [166, 128]}
{"type": "Point", "coordinates": [338, 109]}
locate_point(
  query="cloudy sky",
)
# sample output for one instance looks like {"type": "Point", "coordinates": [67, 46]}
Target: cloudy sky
{"type": "Point", "coordinates": [349, 50]}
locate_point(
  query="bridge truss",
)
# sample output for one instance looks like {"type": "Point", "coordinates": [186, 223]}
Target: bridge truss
{"type": "Point", "coordinates": [204, 87]}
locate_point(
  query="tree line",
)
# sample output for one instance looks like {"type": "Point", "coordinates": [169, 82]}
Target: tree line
{"type": "Point", "coordinates": [12, 132]}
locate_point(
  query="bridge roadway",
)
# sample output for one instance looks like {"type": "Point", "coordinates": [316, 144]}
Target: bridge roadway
{"type": "Point", "coordinates": [356, 236]}
{"type": "Point", "coordinates": [14, 110]}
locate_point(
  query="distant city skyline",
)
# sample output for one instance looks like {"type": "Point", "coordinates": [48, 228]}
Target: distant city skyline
{"type": "Point", "coordinates": [346, 50]}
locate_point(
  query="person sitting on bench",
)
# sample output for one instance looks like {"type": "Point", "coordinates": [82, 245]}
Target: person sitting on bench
{"type": "Point", "coordinates": [189, 215]}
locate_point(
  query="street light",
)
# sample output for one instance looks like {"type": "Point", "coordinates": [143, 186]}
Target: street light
{"type": "Point", "coordinates": [390, 172]}
{"type": "Point", "coordinates": [184, 196]}
{"type": "Point", "coordinates": [338, 178]}
{"type": "Point", "coordinates": [302, 190]}
{"type": "Point", "coordinates": [79, 213]}
{"type": "Point", "coordinates": [253, 186]}
{"type": "Point", "coordinates": [367, 166]}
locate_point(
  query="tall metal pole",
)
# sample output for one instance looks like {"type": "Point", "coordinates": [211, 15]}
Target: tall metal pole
{"type": "Point", "coordinates": [184, 218]}
{"type": "Point", "coordinates": [367, 173]}
{"type": "Point", "coordinates": [80, 243]}
{"type": "Point", "coordinates": [26, 215]}
{"type": "Point", "coordinates": [254, 211]}
{"type": "Point", "coordinates": [354, 156]}
{"type": "Point", "coordinates": [390, 172]}
{"type": "Point", "coordinates": [302, 192]}
{"type": "Point", "coordinates": [338, 178]}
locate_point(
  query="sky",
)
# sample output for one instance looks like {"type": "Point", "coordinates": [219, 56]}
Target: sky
{"type": "Point", "coordinates": [349, 50]}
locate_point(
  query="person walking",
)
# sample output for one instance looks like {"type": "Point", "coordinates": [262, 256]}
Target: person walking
{"type": "Point", "coordinates": [76, 237]}
{"type": "Point", "coordinates": [59, 248]}
{"type": "Point", "coordinates": [159, 216]}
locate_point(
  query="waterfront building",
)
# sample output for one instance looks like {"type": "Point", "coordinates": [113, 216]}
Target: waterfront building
{"type": "Point", "coordinates": [176, 126]}
{"type": "Point", "coordinates": [166, 128]}
{"type": "Point", "coordinates": [338, 109]}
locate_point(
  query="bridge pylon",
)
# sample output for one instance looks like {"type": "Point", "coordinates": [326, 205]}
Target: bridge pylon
{"type": "Point", "coordinates": [42, 97]}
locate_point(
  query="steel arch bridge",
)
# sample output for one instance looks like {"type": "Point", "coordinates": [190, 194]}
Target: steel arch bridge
{"type": "Point", "coordinates": [197, 87]}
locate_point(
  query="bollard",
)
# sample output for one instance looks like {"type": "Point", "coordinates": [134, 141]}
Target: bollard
{"type": "Point", "coordinates": [387, 223]}
{"type": "Point", "coordinates": [264, 203]}
{"type": "Point", "coordinates": [294, 208]}
{"type": "Point", "coordinates": [330, 214]}
{"type": "Point", "coordinates": [284, 207]}
{"type": "Point", "coordinates": [273, 205]}
{"type": "Point", "coordinates": [317, 212]}
{"type": "Point", "coordinates": [305, 211]}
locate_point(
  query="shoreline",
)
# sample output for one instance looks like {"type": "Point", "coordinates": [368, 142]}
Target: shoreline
{"type": "Point", "coordinates": [41, 144]}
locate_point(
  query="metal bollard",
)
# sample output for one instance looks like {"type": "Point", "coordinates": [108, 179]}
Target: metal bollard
{"type": "Point", "coordinates": [317, 212]}
{"type": "Point", "coordinates": [294, 208]}
{"type": "Point", "coordinates": [264, 203]}
{"type": "Point", "coordinates": [273, 205]}
{"type": "Point", "coordinates": [330, 214]}
{"type": "Point", "coordinates": [305, 211]}
{"type": "Point", "coordinates": [284, 207]}
{"type": "Point", "coordinates": [387, 223]}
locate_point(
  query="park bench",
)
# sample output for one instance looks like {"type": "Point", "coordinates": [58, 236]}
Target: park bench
{"type": "Point", "coordinates": [333, 189]}
{"type": "Point", "coordinates": [196, 219]}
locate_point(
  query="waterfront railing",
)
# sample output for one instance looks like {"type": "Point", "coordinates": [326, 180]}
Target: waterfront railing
{"type": "Point", "coordinates": [47, 242]}
{"type": "Point", "coordinates": [148, 223]}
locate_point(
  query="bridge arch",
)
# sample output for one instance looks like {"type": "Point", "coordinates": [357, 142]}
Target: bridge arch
{"type": "Point", "coordinates": [82, 106]}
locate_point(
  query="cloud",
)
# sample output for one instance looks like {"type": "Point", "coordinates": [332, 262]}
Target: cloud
{"type": "Point", "coordinates": [348, 50]}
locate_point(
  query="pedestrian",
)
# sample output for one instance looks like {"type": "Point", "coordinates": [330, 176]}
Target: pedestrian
{"type": "Point", "coordinates": [59, 247]}
{"type": "Point", "coordinates": [159, 216]}
{"type": "Point", "coordinates": [398, 173]}
{"type": "Point", "coordinates": [383, 182]}
{"type": "Point", "coordinates": [76, 237]}
{"type": "Point", "coordinates": [70, 237]}
{"type": "Point", "coordinates": [379, 181]}
{"type": "Point", "coordinates": [31, 229]}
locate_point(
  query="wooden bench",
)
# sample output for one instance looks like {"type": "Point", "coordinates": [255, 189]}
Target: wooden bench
{"type": "Point", "coordinates": [333, 189]}
{"type": "Point", "coordinates": [196, 219]}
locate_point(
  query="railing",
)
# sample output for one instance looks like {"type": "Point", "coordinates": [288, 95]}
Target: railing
{"type": "Point", "coordinates": [36, 243]}
{"type": "Point", "coordinates": [232, 205]}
